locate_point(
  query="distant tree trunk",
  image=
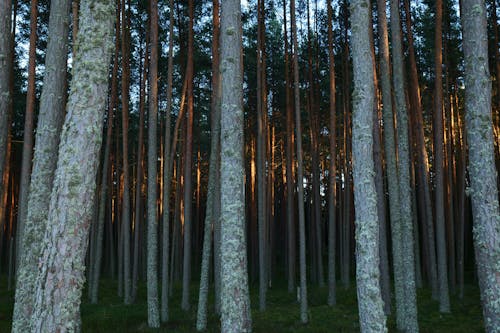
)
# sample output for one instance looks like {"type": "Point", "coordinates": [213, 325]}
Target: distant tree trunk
{"type": "Point", "coordinates": [127, 282]}
{"type": "Point", "coordinates": [94, 285]}
{"type": "Point", "coordinates": [407, 321]}
{"type": "Point", "coordinates": [61, 275]}
{"type": "Point", "coordinates": [422, 168]}
{"type": "Point", "coordinates": [484, 190]}
{"type": "Point", "coordinates": [186, 267]}
{"type": "Point", "coordinates": [444, 298]}
{"type": "Point", "coordinates": [371, 312]}
{"type": "Point", "coordinates": [27, 135]}
{"type": "Point", "coordinates": [52, 104]}
{"type": "Point", "coordinates": [235, 297]}
{"type": "Point", "coordinates": [5, 91]}
{"type": "Point", "coordinates": [332, 171]}
{"type": "Point", "coordinates": [300, 170]}
{"type": "Point", "coordinates": [152, 241]}
{"type": "Point", "coordinates": [167, 174]}
{"type": "Point", "coordinates": [213, 198]}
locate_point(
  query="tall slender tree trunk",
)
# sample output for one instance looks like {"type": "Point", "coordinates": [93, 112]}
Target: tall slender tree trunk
{"type": "Point", "coordinates": [213, 197]}
{"type": "Point", "coordinates": [152, 240]}
{"type": "Point", "coordinates": [372, 317]}
{"type": "Point", "coordinates": [484, 188]}
{"type": "Point", "coordinates": [52, 104]}
{"type": "Point", "coordinates": [425, 206]}
{"type": "Point", "coordinates": [300, 170]}
{"type": "Point", "coordinates": [61, 275]}
{"type": "Point", "coordinates": [27, 135]}
{"type": "Point", "coordinates": [186, 267]}
{"type": "Point", "coordinates": [444, 298]}
{"type": "Point", "coordinates": [235, 297]}
{"type": "Point", "coordinates": [408, 304]}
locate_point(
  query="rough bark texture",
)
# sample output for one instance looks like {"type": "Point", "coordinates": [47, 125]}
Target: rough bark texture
{"type": "Point", "coordinates": [408, 307]}
{"type": "Point", "coordinates": [213, 200]}
{"type": "Point", "coordinates": [235, 297]}
{"type": "Point", "coordinates": [300, 170]}
{"type": "Point", "coordinates": [483, 190]}
{"type": "Point", "coordinates": [27, 135]}
{"type": "Point", "coordinates": [152, 237]}
{"type": "Point", "coordinates": [61, 267]}
{"type": "Point", "coordinates": [332, 189]}
{"type": "Point", "coordinates": [50, 120]}
{"type": "Point", "coordinates": [444, 298]}
{"type": "Point", "coordinates": [371, 312]}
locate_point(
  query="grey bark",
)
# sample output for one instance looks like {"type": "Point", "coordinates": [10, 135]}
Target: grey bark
{"type": "Point", "coordinates": [408, 317]}
{"type": "Point", "coordinates": [27, 154]}
{"type": "Point", "coordinates": [167, 175]}
{"type": "Point", "coordinates": [444, 298]}
{"type": "Point", "coordinates": [300, 170]}
{"type": "Point", "coordinates": [52, 104]}
{"type": "Point", "coordinates": [213, 198]}
{"type": "Point", "coordinates": [483, 190]}
{"type": "Point", "coordinates": [152, 237]}
{"type": "Point", "coordinates": [61, 267]}
{"type": "Point", "coordinates": [370, 305]}
{"type": "Point", "coordinates": [234, 284]}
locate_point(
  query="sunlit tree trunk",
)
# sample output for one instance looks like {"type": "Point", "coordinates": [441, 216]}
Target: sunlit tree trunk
{"type": "Point", "coordinates": [370, 305]}
{"type": "Point", "coordinates": [484, 190]}
{"type": "Point", "coordinates": [61, 273]}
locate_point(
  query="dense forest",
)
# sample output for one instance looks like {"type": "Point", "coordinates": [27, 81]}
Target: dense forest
{"type": "Point", "coordinates": [259, 165]}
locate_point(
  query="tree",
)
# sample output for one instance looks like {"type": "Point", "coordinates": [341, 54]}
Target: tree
{"type": "Point", "coordinates": [235, 297]}
{"type": "Point", "coordinates": [61, 274]}
{"type": "Point", "coordinates": [444, 298]}
{"type": "Point", "coordinates": [371, 312]}
{"type": "Point", "coordinates": [300, 169]}
{"type": "Point", "coordinates": [50, 119]}
{"type": "Point", "coordinates": [152, 269]}
{"type": "Point", "coordinates": [484, 190]}
{"type": "Point", "coordinates": [408, 306]}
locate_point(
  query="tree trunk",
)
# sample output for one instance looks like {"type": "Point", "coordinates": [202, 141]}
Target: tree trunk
{"type": "Point", "coordinates": [152, 240]}
{"type": "Point", "coordinates": [484, 191]}
{"type": "Point", "coordinates": [61, 275]}
{"type": "Point", "coordinates": [235, 297]}
{"type": "Point", "coordinates": [52, 104]}
{"type": "Point", "coordinates": [408, 319]}
{"type": "Point", "coordinates": [300, 170]}
{"type": "Point", "coordinates": [371, 312]}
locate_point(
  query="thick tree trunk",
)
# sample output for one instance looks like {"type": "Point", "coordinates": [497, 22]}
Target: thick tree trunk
{"type": "Point", "coordinates": [152, 239]}
{"type": "Point", "coordinates": [50, 120]}
{"type": "Point", "coordinates": [235, 297]}
{"type": "Point", "coordinates": [61, 274]}
{"type": "Point", "coordinates": [371, 312]}
{"type": "Point", "coordinates": [484, 190]}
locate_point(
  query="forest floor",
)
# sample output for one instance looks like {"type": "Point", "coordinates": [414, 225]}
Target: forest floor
{"type": "Point", "coordinates": [282, 314]}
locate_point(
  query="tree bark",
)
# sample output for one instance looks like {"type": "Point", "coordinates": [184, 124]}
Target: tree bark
{"type": "Point", "coordinates": [370, 305]}
{"type": "Point", "coordinates": [61, 274]}
{"type": "Point", "coordinates": [484, 190]}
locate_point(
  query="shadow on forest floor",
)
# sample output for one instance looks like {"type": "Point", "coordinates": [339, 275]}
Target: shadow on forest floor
{"type": "Point", "coordinates": [282, 314]}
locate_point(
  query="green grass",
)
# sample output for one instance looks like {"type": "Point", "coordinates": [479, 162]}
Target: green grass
{"type": "Point", "coordinates": [282, 314]}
